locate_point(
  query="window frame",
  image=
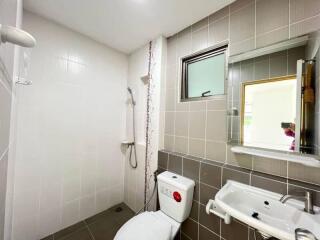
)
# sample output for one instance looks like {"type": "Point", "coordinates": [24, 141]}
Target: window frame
{"type": "Point", "coordinates": [198, 56]}
{"type": "Point", "coordinates": [243, 98]}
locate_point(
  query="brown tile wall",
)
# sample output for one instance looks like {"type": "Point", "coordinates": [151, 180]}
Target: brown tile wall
{"type": "Point", "coordinates": [199, 129]}
{"type": "Point", "coordinates": [210, 176]}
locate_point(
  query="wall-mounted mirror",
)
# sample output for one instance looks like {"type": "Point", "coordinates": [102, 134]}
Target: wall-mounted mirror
{"type": "Point", "coordinates": [273, 98]}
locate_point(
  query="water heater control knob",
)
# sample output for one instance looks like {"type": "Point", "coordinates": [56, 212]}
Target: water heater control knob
{"type": "Point", "coordinates": [177, 196]}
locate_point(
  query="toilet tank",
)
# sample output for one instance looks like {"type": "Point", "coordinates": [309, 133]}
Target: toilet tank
{"type": "Point", "coordinates": [175, 195]}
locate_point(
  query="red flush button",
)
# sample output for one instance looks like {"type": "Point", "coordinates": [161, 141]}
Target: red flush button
{"type": "Point", "coordinates": [177, 196]}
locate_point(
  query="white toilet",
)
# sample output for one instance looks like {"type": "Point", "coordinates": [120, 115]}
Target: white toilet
{"type": "Point", "coordinates": [175, 197]}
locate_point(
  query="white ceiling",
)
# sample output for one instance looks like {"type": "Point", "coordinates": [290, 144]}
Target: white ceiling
{"type": "Point", "coordinates": [125, 24]}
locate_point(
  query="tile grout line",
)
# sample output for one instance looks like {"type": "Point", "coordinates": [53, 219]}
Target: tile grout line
{"type": "Point", "coordinates": [271, 31]}
{"type": "Point", "coordinates": [255, 24]}
{"type": "Point", "coordinates": [208, 185]}
{"type": "Point", "coordinates": [185, 235]}
{"type": "Point", "coordinates": [289, 16]}
{"type": "Point", "coordinates": [75, 231]}
{"type": "Point", "coordinates": [188, 144]}
{"type": "Point", "coordinates": [229, 27]}
{"type": "Point", "coordinates": [287, 176]}
{"type": "Point", "coordinates": [305, 19]}
{"type": "Point", "coordinates": [240, 8]}
{"type": "Point", "coordinates": [287, 52]}
{"type": "Point", "coordinates": [175, 89]}
{"type": "Point", "coordinates": [188, 104]}
{"type": "Point", "coordinates": [199, 196]}
{"type": "Point", "coordinates": [208, 229]}
{"type": "Point", "coordinates": [205, 130]}
{"type": "Point", "coordinates": [8, 79]}
{"type": "Point", "coordinates": [208, 33]}
{"type": "Point", "coordinates": [247, 171]}
{"type": "Point", "coordinates": [89, 230]}
{"type": "Point", "coordinates": [308, 188]}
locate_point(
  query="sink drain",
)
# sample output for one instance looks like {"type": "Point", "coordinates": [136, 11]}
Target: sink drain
{"type": "Point", "coordinates": [255, 215]}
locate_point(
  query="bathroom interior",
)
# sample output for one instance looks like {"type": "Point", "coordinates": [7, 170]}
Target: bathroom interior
{"type": "Point", "coordinates": [164, 120]}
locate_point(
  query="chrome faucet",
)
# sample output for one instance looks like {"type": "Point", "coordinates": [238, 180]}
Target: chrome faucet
{"type": "Point", "coordinates": [304, 234]}
{"type": "Point", "coordinates": [307, 198]}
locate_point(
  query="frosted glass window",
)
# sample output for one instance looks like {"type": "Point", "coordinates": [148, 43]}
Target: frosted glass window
{"type": "Point", "coordinates": [203, 75]}
{"type": "Point", "coordinates": [206, 75]}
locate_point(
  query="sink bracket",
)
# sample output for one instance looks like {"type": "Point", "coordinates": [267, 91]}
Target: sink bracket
{"type": "Point", "coordinates": [213, 208]}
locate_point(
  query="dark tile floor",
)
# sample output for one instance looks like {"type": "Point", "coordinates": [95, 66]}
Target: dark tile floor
{"type": "Point", "coordinates": [102, 226]}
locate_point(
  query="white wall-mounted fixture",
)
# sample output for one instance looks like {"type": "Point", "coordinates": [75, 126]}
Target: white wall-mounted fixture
{"type": "Point", "coordinates": [145, 78]}
{"type": "Point", "coordinates": [127, 143]}
{"type": "Point", "coordinates": [16, 36]}
{"type": "Point", "coordinates": [24, 66]}
{"type": "Point", "coordinates": [213, 208]}
{"type": "Point", "coordinates": [23, 82]}
{"type": "Point", "coordinates": [291, 43]}
{"type": "Point", "coordinates": [263, 211]}
{"type": "Point", "coordinates": [304, 159]}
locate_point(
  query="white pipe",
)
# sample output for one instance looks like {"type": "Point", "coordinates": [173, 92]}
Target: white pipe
{"type": "Point", "coordinates": [16, 36]}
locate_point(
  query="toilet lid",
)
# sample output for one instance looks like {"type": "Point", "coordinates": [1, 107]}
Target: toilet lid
{"type": "Point", "coordinates": [145, 226]}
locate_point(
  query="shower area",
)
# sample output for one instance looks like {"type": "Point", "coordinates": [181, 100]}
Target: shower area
{"type": "Point", "coordinates": [73, 126]}
{"type": "Point", "coordinates": [145, 123]}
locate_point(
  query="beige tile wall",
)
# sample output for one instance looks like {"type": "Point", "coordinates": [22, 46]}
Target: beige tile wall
{"type": "Point", "coordinates": [200, 128]}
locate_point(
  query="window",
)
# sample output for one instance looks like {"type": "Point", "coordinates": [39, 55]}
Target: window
{"type": "Point", "coordinates": [203, 74]}
{"type": "Point", "coordinates": [268, 113]}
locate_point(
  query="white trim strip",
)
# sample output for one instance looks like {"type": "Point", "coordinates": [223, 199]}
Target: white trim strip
{"type": "Point", "coordinates": [307, 160]}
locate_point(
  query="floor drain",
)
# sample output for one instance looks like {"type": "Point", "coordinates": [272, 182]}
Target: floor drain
{"type": "Point", "coordinates": [119, 209]}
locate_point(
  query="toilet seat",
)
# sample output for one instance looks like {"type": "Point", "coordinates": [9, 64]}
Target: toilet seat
{"type": "Point", "coordinates": [148, 225]}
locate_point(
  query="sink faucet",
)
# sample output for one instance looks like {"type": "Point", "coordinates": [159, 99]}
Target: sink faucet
{"type": "Point", "coordinates": [307, 198]}
{"type": "Point", "coordinates": [304, 234]}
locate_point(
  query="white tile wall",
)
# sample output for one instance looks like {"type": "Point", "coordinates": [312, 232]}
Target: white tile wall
{"type": "Point", "coordinates": [10, 14]}
{"type": "Point", "coordinates": [138, 67]}
{"type": "Point", "coordinates": [134, 178]}
{"type": "Point", "coordinates": [70, 124]}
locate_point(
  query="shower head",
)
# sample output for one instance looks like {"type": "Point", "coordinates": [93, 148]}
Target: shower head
{"type": "Point", "coordinates": [131, 94]}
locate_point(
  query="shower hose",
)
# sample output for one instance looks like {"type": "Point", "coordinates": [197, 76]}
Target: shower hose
{"type": "Point", "coordinates": [155, 174]}
{"type": "Point", "coordinates": [133, 164]}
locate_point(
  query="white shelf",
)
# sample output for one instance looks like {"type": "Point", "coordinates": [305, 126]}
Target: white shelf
{"type": "Point", "coordinates": [307, 160]}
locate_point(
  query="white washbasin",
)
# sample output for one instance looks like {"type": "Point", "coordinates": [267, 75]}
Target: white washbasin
{"type": "Point", "coordinates": [274, 218]}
